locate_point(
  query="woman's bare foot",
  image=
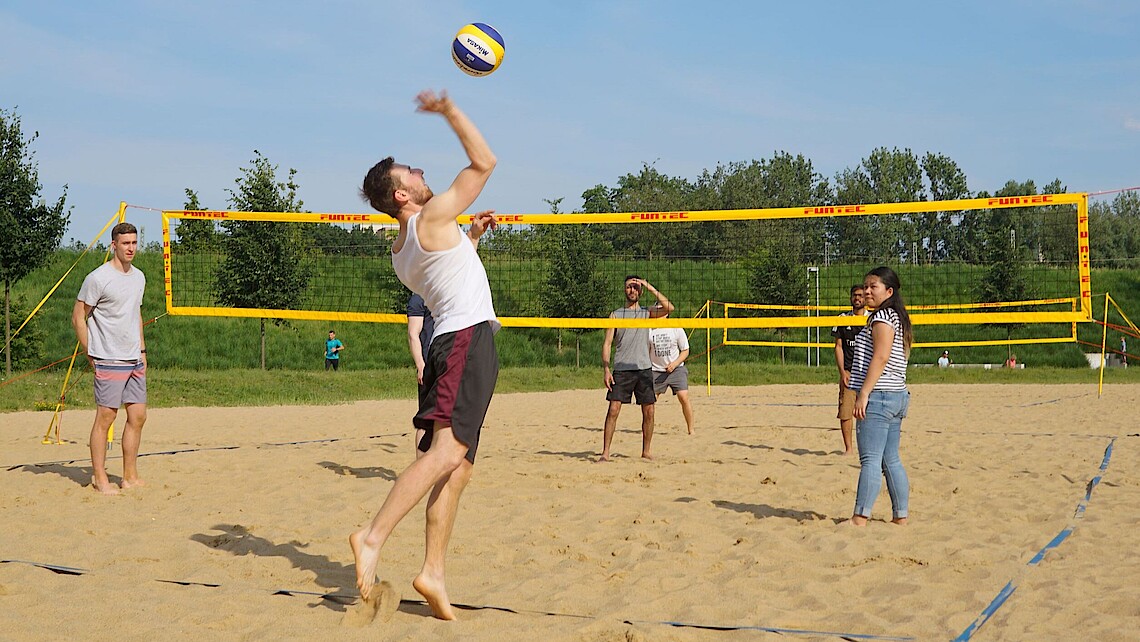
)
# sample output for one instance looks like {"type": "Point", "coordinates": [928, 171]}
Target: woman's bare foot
{"type": "Point", "coordinates": [857, 520]}
{"type": "Point", "coordinates": [435, 593]}
{"type": "Point", "coordinates": [132, 483]}
{"type": "Point", "coordinates": [901, 521]}
{"type": "Point", "coordinates": [366, 559]}
{"type": "Point", "coordinates": [647, 456]}
{"type": "Point", "coordinates": [105, 487]}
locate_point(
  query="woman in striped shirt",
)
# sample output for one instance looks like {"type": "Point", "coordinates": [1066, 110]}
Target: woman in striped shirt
{"type": "Point", "coordinates": [878, 373]}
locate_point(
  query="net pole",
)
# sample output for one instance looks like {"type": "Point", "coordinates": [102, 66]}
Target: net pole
{"type": "Point", "coordinates": [708, 347]}
{"type": "Point", "coordinates": [1103, 346]}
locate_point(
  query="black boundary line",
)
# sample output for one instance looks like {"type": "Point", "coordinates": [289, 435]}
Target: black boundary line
{"type": "Point", "coordinates": [346, 599]}
{"type": "Point", "coordinates": [182, 451]}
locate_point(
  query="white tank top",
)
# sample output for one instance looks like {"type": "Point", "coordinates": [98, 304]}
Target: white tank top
{"type": "Point", "coordinates": [452, 282]}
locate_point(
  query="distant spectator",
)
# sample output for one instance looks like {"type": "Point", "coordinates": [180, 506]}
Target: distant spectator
{"type": "Point", "coordinates": [1123, 351]}
{"type": "Point", "coordinates": [1011, 362]}
{"type": "Point", "coordinates": [333, 346]}
{"type": "Point", "coordinates": [945, 361]}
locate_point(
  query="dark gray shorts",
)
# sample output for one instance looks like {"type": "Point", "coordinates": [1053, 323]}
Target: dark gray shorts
{"type": "Point", "coordinates": [629, 384]}
{"type": "Point", "coordinates": [459, 381]}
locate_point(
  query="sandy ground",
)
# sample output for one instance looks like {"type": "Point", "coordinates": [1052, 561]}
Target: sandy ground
{"type": "Point", "coordinates": [734, 531]}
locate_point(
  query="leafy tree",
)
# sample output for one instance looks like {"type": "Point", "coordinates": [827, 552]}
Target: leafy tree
{"type": "Point", "coordinates": [886, 176]}
{"type": "Point", "coordinates": [267, 265]}
{"type": "Point", "coordinates": [26, 347]}
{"type": "Point", "coordinates": [30, 228]}
{"type": "Point", "coordinates": [777, 275]}
{"type": "Point", "coordinates": [1006, 277]}
{"type": "Point", "coordinates": [1114, 229]}
{"type": "Point", "coordinates": [196, 235]}
{"type": "Point", "coordinates": [651, 191]}
{"type": "Point", "coordinates": [573, 283]}
{"type": "Point", "coordinates": [935, 232]}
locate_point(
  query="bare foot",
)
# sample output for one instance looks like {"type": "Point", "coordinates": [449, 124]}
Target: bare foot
{"type": "Point", "coordinates": [104, 487]}
{"type": "Point", "coordinates": [848, 452]}
{"type": "Point", "coordinates": [131, 483]}
{"type": "Point", "coordinates": [690, 431]}
{"type": "Point", "coordinates": [604, 457]}
{"type": "Point", "coordinates": [366, 559]}
{"type": "Point", "coordinates": [382, 604]}
{"type": "Point", "coordinates": [647, 456]}
{"type": "Point", "coordinates": [901, 521]}
{"type": "Point", "coordinates": [436, 596]}
{"type": "Point", "coordinates": [857, 520]}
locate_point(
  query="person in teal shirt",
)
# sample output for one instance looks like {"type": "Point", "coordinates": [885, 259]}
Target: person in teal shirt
{"type": "Point", "coordinates": [332, 351]}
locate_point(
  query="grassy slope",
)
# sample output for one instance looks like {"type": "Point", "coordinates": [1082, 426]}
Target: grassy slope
{"type": "Point", "coordinates": [213, 361]}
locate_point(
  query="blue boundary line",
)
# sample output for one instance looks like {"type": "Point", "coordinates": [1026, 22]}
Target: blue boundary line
{"type": "Point", "coordinates": [1011, 586]}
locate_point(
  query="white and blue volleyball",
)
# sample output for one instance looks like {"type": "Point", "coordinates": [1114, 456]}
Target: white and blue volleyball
{"type": "Point", "coordinates": [477, 49]}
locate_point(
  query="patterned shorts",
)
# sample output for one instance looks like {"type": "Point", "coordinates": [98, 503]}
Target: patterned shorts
{"type": "Point", "coordinates": [119, 382]}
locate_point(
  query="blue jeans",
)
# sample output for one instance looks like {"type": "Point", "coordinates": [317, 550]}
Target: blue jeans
{"type": "Point", "coordinates": [878, 437]}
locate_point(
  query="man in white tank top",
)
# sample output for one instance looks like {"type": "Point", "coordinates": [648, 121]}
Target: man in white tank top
{"type": "Point", "coordinates": [434, 259]}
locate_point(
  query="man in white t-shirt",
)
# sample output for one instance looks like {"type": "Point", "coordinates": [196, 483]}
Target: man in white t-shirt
{"type": "Point", "coordinates": [107, 318]}
{"type": "Point", "coordinates": [668, 349]}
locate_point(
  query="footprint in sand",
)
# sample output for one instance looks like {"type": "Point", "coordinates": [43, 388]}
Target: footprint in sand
{"type": "Point", "coordinates": [381, 606]}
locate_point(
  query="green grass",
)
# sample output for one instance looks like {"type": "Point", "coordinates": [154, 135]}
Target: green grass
{"type": "Point", "coordinates": [255, 387]}
{"type": "Point", "coordinates": [212, 344]}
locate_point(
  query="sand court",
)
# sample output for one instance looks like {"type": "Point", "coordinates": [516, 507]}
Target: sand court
{"type": "Point", "coordinates": [734, 531]}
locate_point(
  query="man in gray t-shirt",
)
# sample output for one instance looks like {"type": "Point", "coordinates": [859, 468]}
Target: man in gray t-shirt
{"type": "Point", "coordinates": [632, 373]}
{"type": "Point", "coordinates": [107, 318]}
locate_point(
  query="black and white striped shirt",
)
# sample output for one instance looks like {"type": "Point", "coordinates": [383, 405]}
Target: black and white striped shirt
{"type": "Point", "coordinates": [894, 374]}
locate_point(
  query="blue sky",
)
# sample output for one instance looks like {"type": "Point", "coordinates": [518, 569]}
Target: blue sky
{"type": "Point", "coordinates": [136, 100]}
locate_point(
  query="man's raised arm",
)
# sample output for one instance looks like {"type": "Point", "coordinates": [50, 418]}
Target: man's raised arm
{"type": "Point", "coordinates": [470, 182]}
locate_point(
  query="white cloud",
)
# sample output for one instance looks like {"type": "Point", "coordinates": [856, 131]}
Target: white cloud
{"type": "Point", "coordinates": [1132, 124]}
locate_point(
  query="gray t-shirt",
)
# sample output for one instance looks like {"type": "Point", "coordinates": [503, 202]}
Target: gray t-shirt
{"type": "Point", "coordinates": [114, 327]}
{"type": "Point", "coordinates": [631, 345]}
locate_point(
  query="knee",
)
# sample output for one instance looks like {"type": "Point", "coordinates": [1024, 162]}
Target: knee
{"type": "Point", "coordinates": [451, 459]}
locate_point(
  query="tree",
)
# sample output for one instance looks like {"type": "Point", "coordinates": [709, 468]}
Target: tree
{"type": "Point", "coordinates": [196, 235]}
{"type": "Point", "coordinates": [266, 265]}
{"type": "Point", "coordinates": [30, 228]}
{"type": "Point", "coordinates": [935, 231]}
{"type": "Point", "coordinates": [573, 282]}
{"type": "Point", "coordinates": [777, 275]}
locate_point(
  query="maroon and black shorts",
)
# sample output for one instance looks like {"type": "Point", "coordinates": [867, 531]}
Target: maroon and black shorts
{"type": "Point", "coordinates": [459, 379]}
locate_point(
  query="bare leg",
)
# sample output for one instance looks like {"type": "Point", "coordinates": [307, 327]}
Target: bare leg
{"type": "Point", "coordinates": [646, 429]}
{"type": "Point", "coordinates": [686, 408]}
{"type": "Point", "coordinates": [416, 444]}
{"type": "Point", "coordinates": [847, 427]}
{"type": "Point", "coordinates": [132, 438]}
{"type": "Point", "coordinates": [443, 504]}
{"type": "Point", "coordinates": [611, 425]}
{"type": "Point", "coordinates": [104, 417]}
{"type": "Point", "coordinates": [445, 455]}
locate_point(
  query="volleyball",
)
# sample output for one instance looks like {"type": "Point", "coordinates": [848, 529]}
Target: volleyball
{"type": "Point", "coordinates": [477, 49]}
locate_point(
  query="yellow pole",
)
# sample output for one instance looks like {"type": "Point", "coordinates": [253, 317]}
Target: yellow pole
{"type": "Point", "coordinates": [1103, 346]}
{"type": "Point", "coordinates": [57, 418]}
{"type": "Point", "coordinates": [708, 349]}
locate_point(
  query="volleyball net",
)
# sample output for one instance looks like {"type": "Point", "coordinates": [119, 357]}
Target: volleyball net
{"type": "Point", "coordinates": [757, 275]}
